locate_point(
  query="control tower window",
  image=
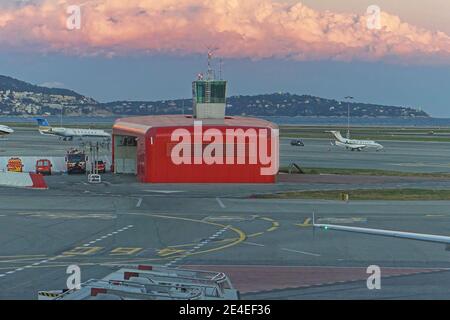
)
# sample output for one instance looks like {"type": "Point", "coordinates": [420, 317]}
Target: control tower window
{"type": "Point", "coordinates": [209, 91]}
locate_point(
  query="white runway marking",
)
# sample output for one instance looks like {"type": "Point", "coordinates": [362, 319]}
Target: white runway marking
{"type": "Point", "coordinates": [302, 252]}
{"type": "Point", "coordinates": [197, 247]}
{"type": "Point", "coordinates": [220, 203]}
{"type": "Point", "coordinates": [60, 256]}
{"type": "Point", "coordinates": [163, 191]}
{"type": "Point", "coordinates": [254, 244]}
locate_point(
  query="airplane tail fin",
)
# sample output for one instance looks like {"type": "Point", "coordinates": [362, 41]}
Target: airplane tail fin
{"type": "Point", "coordinates": [337, 135]}
{"type": "Point", "coordinates": [44, 126]}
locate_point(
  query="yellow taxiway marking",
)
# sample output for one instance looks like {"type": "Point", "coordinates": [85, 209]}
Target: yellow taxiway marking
{"type": "Point", "coordinates": [83, 251]}
{"type": "Point", "coordinates": [255, 235]}
{"type": "Point", "coordinates": [196, 243]}
{"type": "Point", "coordinates": [24, 256]}
{"type": "Point", "coordinates": [241, 235]}
{"type": "Point", "coordinates": [124, 251]}
{"type": "Point", "coordinates": [275, 224]}
{"type": "Point", "coordinates": [306, 223]}
{"type": "Point", "coordinates": [169, 252]}
{"type": "Point", "coordinates": [20, 260]}
{"type": "Point", "coordinates": [274, 227]}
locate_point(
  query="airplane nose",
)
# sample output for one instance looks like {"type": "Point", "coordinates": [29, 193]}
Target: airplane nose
{"type": "Point", "coordinates": [6, 129]}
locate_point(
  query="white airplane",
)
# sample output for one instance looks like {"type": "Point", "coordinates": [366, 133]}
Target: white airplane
{"type": "Point", "coordinates": [353, 145]}
{"type": "Point", "coordinates": [387, 233]}
{"type": "Point", "coordinates": [67, 134]}
{"type": "Point", "coordinates": [4, 130]}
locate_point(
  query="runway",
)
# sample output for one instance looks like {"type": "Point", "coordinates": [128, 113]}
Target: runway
{"type": "Point", "coordinates": [397, 156]}
{"type": "Point", "coordinates": [405, 156]}
{"type": "Point", "coordinates": [267, 247]}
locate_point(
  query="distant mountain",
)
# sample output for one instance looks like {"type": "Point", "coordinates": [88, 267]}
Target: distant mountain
{"type": "Point", "coordinates": [8, 83]}
{"type": "Point", "coordinates": [21, 98]}
{"type": "Point", "coordinates": [276, 104]}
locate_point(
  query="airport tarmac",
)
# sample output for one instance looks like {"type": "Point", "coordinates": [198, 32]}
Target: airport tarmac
{"type": "Point", "coordinates": [29, 142]}
{"type": "Point", "coordinates": [408, 156]}
{"type": "Point", "coordinates": [103, 226]}
{"type": "Point", "coordinates": [396, 156]}
{"type": "Point", "coordinates": [266, 246]}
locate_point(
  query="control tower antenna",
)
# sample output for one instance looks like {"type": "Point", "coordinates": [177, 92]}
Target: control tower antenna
{"type": "Point", "coordinates": [210, 67]}
{"type": "Point", "coordinates": [220, 68]}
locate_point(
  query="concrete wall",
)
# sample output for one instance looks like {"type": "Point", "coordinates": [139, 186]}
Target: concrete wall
{"type": "Point", "coordinates": [209, 110]}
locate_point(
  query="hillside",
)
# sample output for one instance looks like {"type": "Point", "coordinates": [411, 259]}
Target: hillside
{"type": "Point", "coordinates": [276, 104]}
{"type": "Point", "coordinates": [8, 83]}
{"type": "Point", "coordinates": [21, 98]}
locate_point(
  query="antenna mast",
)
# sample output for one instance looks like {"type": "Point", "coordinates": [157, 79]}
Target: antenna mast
{"type": "Point", "coordinates": [220, 69]}
{"type": "Point", "coordinates": [210, 69]}
{"type": "Point", "coordinates": [348, 98]}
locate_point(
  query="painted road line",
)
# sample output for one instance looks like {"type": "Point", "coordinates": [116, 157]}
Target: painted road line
{"type": "Point", "coordinates": [197, 247]}
{"type": "Point", "coordinates": [255, 235]}
{"type": "Point", "coordinates": [108, 235]}
{"type": "Point", "coordinates": [302, 252]}
{"type": "Point", "coordinates": [306, 223]}
{"type": "Point", "coordinates": [220, 203]}
{"type": "Point", "coordinates": [275, 224]}
{"type": "Point", "coordinates": [228, 243]}
{"type": "Point", "coordinates": [274, 227]}
{"type": "Point", "coordinates": [28, 266]}
{"type": "Point", "coordinates": [253, 244]}
{"type": "Point", "coordinates": [138, 204]}
{"type": "Point", "coordinates": [163, 191]}
{"type": "Point", "coordinates": [125, 251]}
{"type": "Point", "coordinates": [82, 251]}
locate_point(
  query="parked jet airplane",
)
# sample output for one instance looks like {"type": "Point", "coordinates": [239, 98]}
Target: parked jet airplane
{"type": "Point", "coordinates": [351, 144]}
{"type": "Point", "coordinates": [67, 134]}
{"type": "Point", "coordinates": [4, 130]}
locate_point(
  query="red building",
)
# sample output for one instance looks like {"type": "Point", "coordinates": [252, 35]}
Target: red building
{"type": "Point", "coordinates": [206, 147]}
{"type": "Point", "coordinates": [184, 149]}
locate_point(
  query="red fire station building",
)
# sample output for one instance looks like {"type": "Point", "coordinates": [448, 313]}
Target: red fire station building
{"type": "Point", "coordinates": [206, 147]}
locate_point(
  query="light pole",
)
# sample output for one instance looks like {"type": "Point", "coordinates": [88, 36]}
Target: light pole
{"type": "Point", "coordinates": [348, 98]}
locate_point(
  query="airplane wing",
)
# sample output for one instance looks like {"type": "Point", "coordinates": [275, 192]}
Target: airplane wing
{"type": "Point", "coordinates": [387, 233]}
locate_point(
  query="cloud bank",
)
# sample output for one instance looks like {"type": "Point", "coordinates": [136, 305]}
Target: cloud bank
{"type": "Point", "coordinates": [255, 29]}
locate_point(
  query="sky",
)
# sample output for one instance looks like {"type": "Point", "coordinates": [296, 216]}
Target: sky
{"type": "Point", "coordinates": [379, 51]}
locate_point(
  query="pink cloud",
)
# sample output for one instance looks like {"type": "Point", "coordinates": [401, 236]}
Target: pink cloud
{"type": "Point", "coordinates": [240, 29]}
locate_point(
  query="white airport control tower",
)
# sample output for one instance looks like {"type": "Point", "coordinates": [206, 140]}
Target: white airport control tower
{"type": "Point", "coordinates": [209, 95]}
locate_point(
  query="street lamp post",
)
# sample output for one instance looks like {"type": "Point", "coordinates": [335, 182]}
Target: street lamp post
{"type": "Point", "coordinates": [348, 98]}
